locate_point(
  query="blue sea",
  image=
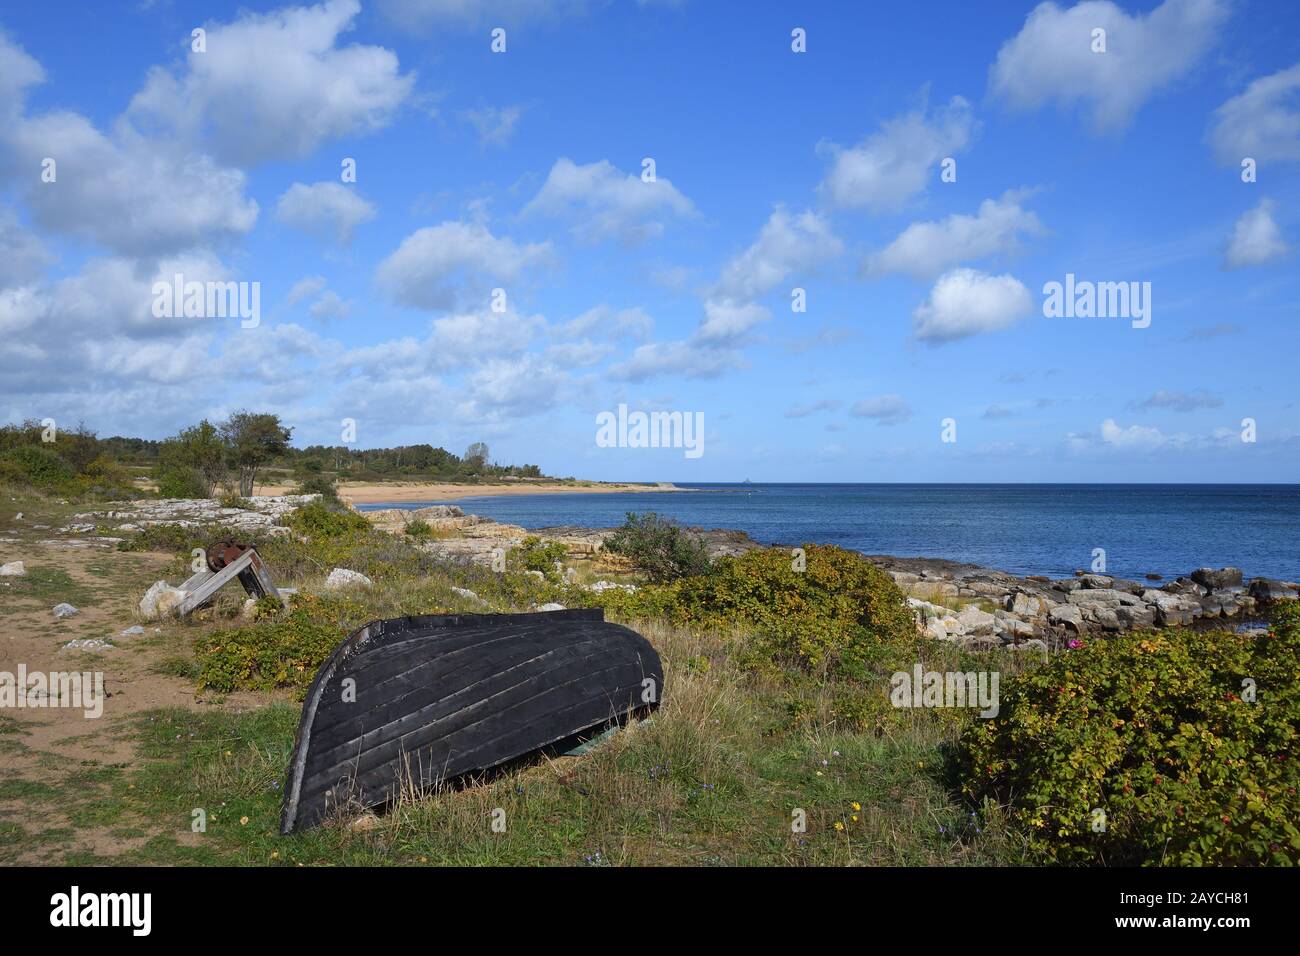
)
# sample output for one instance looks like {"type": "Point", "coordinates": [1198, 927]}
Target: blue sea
{"type": "Point", "coordinates": [1024, 529]}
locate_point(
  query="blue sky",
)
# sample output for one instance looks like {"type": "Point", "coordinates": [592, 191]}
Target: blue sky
{"type": "Point", "coordinates": [774, 170]}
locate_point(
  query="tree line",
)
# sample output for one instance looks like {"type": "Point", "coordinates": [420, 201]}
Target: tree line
{"type": "Point", "coordinates": [229, 454]}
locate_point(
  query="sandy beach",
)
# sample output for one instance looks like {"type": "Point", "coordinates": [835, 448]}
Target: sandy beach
{"type": "Point", "coordinates": [366, 493]}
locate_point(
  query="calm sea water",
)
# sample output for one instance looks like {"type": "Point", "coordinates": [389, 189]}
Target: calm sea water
{"type": "Point", "coordinates": [1024, 529]}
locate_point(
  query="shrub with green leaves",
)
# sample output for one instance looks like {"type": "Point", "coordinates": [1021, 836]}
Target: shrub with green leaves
{"type": "Point", "coordinates": [317, 484]}
{"type": "Point", "coordinates": [840, 613]}
{"type": "Point", "coordinates": [419, 529]}
{"type": "Point", "coordinates": [533, 554]}
{"type": "Point", "coordinates": [1167, 748]}
{"type": "Point", "coordinates": [284, 651]}
{"type": "Point", "coordinates": [37, 467]}
{"type": "Point", "coordinates": [317, 519]}
{"type": "Point", "coordinates": [178, 481]}
{"type": "Point", "coordinates": [658, 547]}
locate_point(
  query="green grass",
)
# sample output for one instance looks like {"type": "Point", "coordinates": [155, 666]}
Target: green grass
{"type": "Point", "coordinates": [45, 585]}
{"type": "Point", "coordinates": [716, 776]}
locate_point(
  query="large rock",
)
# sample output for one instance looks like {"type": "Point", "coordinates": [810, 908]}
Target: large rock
{"type": "Point", "coordinates": [1135, 617]}
{"type": "Point", "coordinates": [975, 621]}
{"type": "Point", "coordinates": [14, 569]}
{"type": "Point", "coordinates": [1213, 580]}
{"type": "Point", "coordinates": [64, 610]}
{"type": "Point", "coordinates": [1105, 597]}
{"type": "Point", "coordinates": [1267, 589]}
{"type": "Point", "coordinates": [1185, 586]}
{"type": "Point", "coordinates": [1025, 605]}
{"type": "Point", "coordinates": [1095, 581]}
{"type": "Point", "coordinates": [1067, 615]}
{"type": "Point", "coordinates": [1104, 617]}
{"type": "Point", "coordinates": [343, 578]}
{"type": "Point", "coordinates": [1174, 609]}
{"type": "Point", "coordinates": [160, 600]}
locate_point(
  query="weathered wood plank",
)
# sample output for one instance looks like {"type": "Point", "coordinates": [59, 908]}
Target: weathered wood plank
{"type": "Point", "coordinates": [442, 696]}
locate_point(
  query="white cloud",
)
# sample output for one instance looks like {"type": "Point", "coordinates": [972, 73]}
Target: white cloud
{"type": "Point", "coordinates": [885, 409]}
{"type": "Point", "coordinates": [1256, 238]}
{"type": "Point", "coordinates": [1135, 437]}
{"type": "Point", "coordinates": [275, 86]}
{"type": "Point", "coordinates": [1262, 123]}
{"type": "Point", "coordinates": [326, 209]}
{"type": "Point", "coordinates": [423, 14]}
{"type": "Point", "coordinates": [607, 323]}
{"type": "Point", "coordinates": [495, 126]}
{"type": "Point", "coordinates": [23, 257]}
{"type": "Point", "coordinates": [1051, 58]}
{"type": "Point", "coordinates": [18, 71]}
{"type": "Point", "coordinates": [686, 359]}
{"type": "Point", "coordinates": [330, 305]}
{"type": "Point", "coordinates": [605, 203]}
{"type": "Point", "coordinates": [895, 163]}
{"type": "Point", "coordinates": [306, 288]}
{"type": "Point", "coordinates": [964, 302]}
{"type": "Point", "coordinates": [439, 267]}
{"type": "Point", "coordinates": [512, 388]}
{"type": "Point", "coordinates": [129, 194]}
{"type": "Point", "coordinates": [924, 249]}
{"type": "Point", "coordinates": [455, 342]}
{"type": "Point", "coordinates": [812, 408]}
{"type": "Point", "coordinates": [583, 354]}
{"type": "Point", "coordinates": [785, 244]}
{"type": "Point", "coordinates": [728, 323]}
{"type": "Point", "coordinates": [1179, 401]}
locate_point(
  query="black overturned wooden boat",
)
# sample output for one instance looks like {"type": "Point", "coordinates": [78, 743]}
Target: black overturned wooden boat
{"type": "Point", "coordinates": [423, 700]}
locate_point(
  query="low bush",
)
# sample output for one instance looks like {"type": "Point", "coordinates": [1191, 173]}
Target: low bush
{"type": "Point", "coordinates": [840, 613]}
{"type": "Point", "coordinates": [178, 481]}
{"type": "Point", "coordinates": [318, 484]}
{"type": "Point", "coordinates": [1171, 748]}
{"type": "Point", "coordinates": [284, 651]}
{"type": "Point", "coordinates": [658, 547]}
{"type": "Point", "coordinates": [418, 529]}
{"type": "Point", "coordinates": [533, 554]}
{"type": "Point", "coordinates": [37, 467]}
{"type": "Point", "coordinates": [317, 519]}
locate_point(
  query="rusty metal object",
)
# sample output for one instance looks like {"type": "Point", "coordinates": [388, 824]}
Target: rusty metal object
{"type": "Point", "coordinates": [225, 552]}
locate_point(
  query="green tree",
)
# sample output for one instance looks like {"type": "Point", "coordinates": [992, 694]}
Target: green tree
{"type": "Point", "coordinates": [193, 463]}
{"type": "Point", "coordinates": [476, 457]}
{"type": "Point", "coordinates": [252, 440]}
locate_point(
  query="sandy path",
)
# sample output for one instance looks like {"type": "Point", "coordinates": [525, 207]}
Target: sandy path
{"type": "Point", "coordinates": [48, 746]}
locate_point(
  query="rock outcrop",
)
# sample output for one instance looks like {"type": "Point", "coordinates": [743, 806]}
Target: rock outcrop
{"type": "Point", "coordinates": [968, 604]}
{"type": "Point", "coordinates": [255, 514]}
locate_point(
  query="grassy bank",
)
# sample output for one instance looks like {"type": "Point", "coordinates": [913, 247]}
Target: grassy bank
{"type": "Point", "coordinates": [775, 742]}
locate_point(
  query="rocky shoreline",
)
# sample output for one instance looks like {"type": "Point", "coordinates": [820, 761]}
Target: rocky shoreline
{"type": "Point", "coordinates": [966, 604]}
